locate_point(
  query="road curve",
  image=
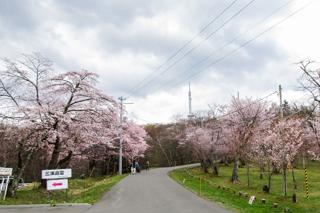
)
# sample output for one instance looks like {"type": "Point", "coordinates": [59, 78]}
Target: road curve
{"type": "Point", "coordinates": [147, 192]}
{"type": "Point", "coordinates": [152, 192]}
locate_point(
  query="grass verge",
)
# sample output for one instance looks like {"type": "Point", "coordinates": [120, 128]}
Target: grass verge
{"type": "Point", "coordinates": [221, 190]}
{"type": "Point", "coordinates": [88, 190]}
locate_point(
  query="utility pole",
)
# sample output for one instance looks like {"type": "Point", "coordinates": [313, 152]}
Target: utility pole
{"type": "Point", "coordinates": [190, 100]}
{"type": "Point", "coordinates": [122, 99]}
{"type": "Point", "coordinates": [281, 118]}
{"type": "Point", "coordinates": [280, 99]}
{"type": "Point", "coordinates": [120, 134]}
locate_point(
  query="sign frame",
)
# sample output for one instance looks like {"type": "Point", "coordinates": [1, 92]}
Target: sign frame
{"type": "Point", "coordinates": [5, 174]}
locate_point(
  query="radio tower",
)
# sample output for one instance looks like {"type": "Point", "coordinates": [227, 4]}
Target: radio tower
{"type": "Point", "coordinates": [190, 103]}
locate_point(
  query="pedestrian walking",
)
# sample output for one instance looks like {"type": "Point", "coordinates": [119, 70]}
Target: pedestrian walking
{"type": "Point", "coordinates": [137, 166]}
{"type": "Point", "coordinates": [147, 165]}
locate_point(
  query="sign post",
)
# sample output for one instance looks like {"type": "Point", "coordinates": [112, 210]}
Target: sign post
{"type": "Point", "coordinates": [57, 179]}
{"type": "Point", "coordinates": [5, 174]}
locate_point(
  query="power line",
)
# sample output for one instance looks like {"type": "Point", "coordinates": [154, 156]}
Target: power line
{"type": "Point", "coordinates": [245, 43]}
{"type": "Point", "coordinates": [184, 45]}
{"type": "Point", "coordinates": [199, 44]}
{"type": "Point", "coordinates": [248, 42]}
{"type": "Point", "coordinates": [239, 35]}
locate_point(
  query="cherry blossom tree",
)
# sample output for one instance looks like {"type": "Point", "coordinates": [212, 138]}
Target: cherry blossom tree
{"type": "Point", "coordinates": [244, 118]}
{"type": "Point", "coordinates": [199, 139]}
{"type": "Point", "coordinates": [286, 137]}
{"type": "Point", "coordinates": [134, 141]}
{"type": "Point", "coordinates": [79, 117]}
{"type": "Point", "coordinates": [21, 83]}
{"type": "Point", "coordinates": [205, 138]}
{"type": "Point", "coordinates": [62, 114]}
{"type": "Point", "coordinates": [312, 144]}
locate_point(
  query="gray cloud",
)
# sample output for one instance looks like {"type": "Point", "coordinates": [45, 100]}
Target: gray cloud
{"type": "Point", "coordinates": [126, 40]}
{"type": "Point", "coordinates": [15, 16]}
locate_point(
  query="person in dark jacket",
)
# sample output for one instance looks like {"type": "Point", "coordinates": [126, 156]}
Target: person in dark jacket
{"type": "Point", "coordinates": [137, 166]}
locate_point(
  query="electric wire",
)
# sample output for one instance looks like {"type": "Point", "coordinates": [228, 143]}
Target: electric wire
{"type": "Point", "coordinates": [243, 44]}
{"type": "Point", "coordinates": [184, 45]}
{"type": "Point", "coordinates": [199, 44]}
{"type": "Point", "coordinates": [239, 35]}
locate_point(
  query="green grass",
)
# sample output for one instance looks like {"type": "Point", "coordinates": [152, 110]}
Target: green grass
{"type": "Point", "coordinates": [88, 190]}
{"type": "Point", "coordinates": [209, 189]}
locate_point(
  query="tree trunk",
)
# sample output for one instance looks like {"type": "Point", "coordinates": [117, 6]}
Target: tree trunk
{"type": "Point", "coordinates": [115, 166]}
{"type": "Point", "coordinates": [215, 168]}
{"type": "Point", "coordinates": [92, 166]}
{"type": "Point", "coordinates": [261, 171]}
{"type": "Point", "coordinates": [107, 166]}
{"type": "Point", "coordinates": [55, 155]}
{"type": "Point", "coordinates": [269, 177]}
{"type": "Point", "coordinates": [20, 171]}
{"type": "Point", "coordinates": [285, 180]}
{"type": "Point", "coordinates": [275, 170]}
{"type": "Point", "coordinates": [294, 180]}
{"type": "Point", "coordinates": [204, 166]}
{"type": "Point", "coordinates": [234, 177]}
{"type": "Point", "coordinates": [248, 175]}
{"type": "Point", "coordinates": [64, 163]}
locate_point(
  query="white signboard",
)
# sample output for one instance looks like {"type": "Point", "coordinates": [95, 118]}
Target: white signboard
{"type": "Point", "coordinates": [57, 184]}
{"type": "Point", "coordinates": [5, 171]}
{"type": "Point", "coordinates": [56, 174]}
{"type": "Point", "coordinates": [252, 199]}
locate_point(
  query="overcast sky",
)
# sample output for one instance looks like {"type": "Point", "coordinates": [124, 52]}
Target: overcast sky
{"type": "Point", "coordinates": [126, 41]}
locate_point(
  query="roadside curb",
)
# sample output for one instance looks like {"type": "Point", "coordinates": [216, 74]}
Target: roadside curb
{"type": "Point", "coordinates": [42, 205]}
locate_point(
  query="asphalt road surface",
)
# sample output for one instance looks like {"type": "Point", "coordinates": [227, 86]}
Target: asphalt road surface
{"type": "Point", "coordinates": [147, 192]}
{"type": "Point", "coordinates": [152, 192]}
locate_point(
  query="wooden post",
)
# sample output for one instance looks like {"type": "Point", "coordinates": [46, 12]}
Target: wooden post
{"type": "Point", "coordinates": [305, 176]}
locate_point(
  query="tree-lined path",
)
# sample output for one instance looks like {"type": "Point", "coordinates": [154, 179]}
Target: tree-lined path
{"type": "Point", "coordinates": [154, 192]}
{"type": "Point", "coordinates": [151, 191]}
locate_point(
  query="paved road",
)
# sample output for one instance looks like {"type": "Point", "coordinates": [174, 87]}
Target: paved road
{"type": "Point", "coordinates": [147, 192]}
{"type": "Point", "coordinates": [152, 192]}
